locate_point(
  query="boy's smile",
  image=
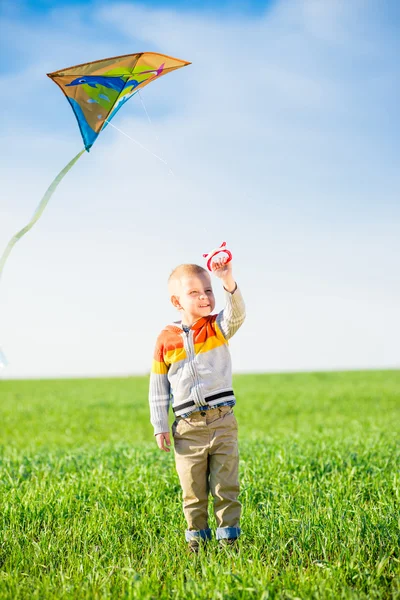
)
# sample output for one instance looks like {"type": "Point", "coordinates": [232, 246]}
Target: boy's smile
{"type": "Point", "coordinates": [195, 297]}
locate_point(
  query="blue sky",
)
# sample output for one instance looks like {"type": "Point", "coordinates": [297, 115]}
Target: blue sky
{"type": "Point", "coordinates": [40, 7]}
{"type": "Point", "coordinates": [284, 139]}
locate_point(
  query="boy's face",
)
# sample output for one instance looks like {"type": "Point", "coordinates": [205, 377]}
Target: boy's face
{"type": "Point", "coordinates": [194, 298]}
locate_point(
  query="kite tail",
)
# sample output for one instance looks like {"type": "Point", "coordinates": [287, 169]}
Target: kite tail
{"type": "Point", "coordinates": [39, 210]}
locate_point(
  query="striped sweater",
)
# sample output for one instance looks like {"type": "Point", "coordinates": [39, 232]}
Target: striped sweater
{"type": "Point", "coordinates": [194, 369]}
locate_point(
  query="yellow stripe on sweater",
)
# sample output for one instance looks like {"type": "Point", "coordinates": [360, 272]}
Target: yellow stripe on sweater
{"type": "Point", "coordinates": [210, 344]}
{"type": "Point", "coordinates": [220, 335]}
{"type": "Point", "coordinates": [159, 368]}
{"type": "Point", "coordinates": [175, 355]}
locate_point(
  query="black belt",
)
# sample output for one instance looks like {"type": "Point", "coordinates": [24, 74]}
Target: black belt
{"type": "Point", "coordinates": [191, 403]}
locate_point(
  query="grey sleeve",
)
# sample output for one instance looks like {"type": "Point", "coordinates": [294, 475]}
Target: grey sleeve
{"type": "Point", "coordinates": [233, 315]}
{"type": "Point", "coordinates": [159, 400]}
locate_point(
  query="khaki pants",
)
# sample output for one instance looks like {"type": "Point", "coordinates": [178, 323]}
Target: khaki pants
{"type": "Point", "coordinates": [207, 460]}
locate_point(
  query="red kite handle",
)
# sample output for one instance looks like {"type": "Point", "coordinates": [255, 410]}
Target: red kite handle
{"type": "Point", "coordinates": [213, 253]}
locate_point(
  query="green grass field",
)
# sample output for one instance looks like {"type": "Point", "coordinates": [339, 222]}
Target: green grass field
{"type": "Point", "coordinates": [89, 508]}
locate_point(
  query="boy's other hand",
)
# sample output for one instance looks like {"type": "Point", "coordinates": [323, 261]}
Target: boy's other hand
{"type": "Point", "coordinates": [162, 439]}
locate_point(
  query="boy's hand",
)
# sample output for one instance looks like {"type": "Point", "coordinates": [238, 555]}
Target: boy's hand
{"type": "Point", "coordinates": [163, 438]}
{"type": "Point", "coordinates": [223, 270]}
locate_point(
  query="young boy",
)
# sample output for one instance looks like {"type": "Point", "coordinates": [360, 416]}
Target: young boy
{"type": "Point", "coordinates": [192, 371]}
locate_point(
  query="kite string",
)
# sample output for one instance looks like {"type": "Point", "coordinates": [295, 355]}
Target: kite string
{"type": "Point", "coordinates": [141, 145]}
{"type": "Point", "coordinates": [148, 116]}
{"type": "Point", "coordinates": [158, 140]}
{"type": "Point", "coordinates": [152, 126]}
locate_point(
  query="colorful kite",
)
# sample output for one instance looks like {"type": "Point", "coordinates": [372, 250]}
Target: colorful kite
{"type": "Point", "coordinates": [96, 91]}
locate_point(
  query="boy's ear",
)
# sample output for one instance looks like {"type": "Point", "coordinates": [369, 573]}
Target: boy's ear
{"type": "Point", "coordinates": [175, 302]}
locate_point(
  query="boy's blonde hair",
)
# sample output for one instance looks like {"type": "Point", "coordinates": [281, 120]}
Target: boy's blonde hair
{"type": "Point", "coordinates": [185, 270]}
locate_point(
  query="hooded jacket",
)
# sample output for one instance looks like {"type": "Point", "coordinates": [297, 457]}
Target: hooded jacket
{"type": "Point", "coordinates": [193, 369]}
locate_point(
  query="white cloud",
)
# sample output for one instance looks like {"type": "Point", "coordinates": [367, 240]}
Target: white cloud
{"type": "Point", "coordinates": [274, 149]}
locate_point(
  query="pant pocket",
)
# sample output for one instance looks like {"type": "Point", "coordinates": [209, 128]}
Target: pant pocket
{"type": "Point", "coordinates": [226, 412]}
{"type": "Point", "coordinates": [179, 426]}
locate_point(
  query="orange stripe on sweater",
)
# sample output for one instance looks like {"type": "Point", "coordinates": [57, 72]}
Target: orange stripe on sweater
{"type": "Point", "coordinates": [208, 330]}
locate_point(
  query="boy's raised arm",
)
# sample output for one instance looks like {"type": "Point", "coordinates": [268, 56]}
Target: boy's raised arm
{"type": "Point", "coordinates": [233, 315]}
